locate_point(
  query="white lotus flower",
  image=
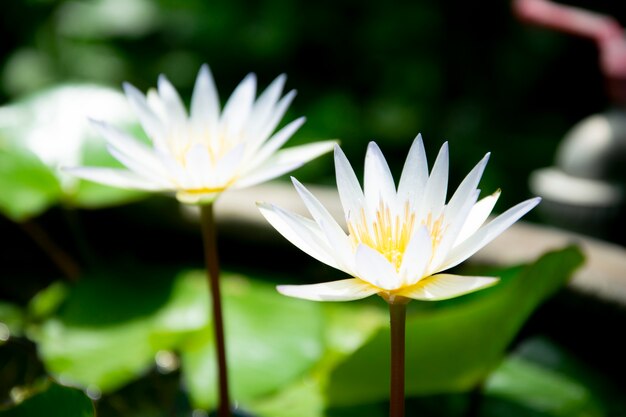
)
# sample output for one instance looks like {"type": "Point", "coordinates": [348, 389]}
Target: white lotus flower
{"type": "Point", "coordinates": [200, 155]}
{"type": "Point", "coordinates": [399, 240]}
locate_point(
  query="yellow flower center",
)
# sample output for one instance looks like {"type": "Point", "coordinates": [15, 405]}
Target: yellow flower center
{"type": "Point", "coordinates": [390, 234]}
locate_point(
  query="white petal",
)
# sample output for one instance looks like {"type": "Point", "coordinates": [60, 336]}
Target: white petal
{"type": "Point", "coordinates": [344, 290]}
{"type": "Point", "coordinates": [487, 233]}
{"type": "Point", "coordinates": [128, 148]}
{"type": "Point", "coordinates": [477, 216]}
{"type": "Point", "coordinates": [199, 167]}
{"type": "Point", "coordinates": [114, 177]}
{"type": "Point", "coordinates": [451, 229]}
{"type": "Point", "coordinates": [414, 174]}
{"type": "Point", "coordinates": [377, 182]}
{"type": "Point", "coordinates": [237, 108]}
{"type": "Point", "coordinates": [467, 188]}
{"type": "Point", "coordinates": [445, 286]}
{"type": "Point", "coordinates": [257, 137]}
{"type": "Point", "coordinates": [150, 121]}
{"type": "Point", "coordinates": [374, 268]}
{"type": "Point", "coordinates": [348, 186]}
{"type": "Point", "coordinates": [284, 161]}
{"type": "Point", "coordinates": [228, 166]}
{"type": "Point", "coordinates": [437, 185]}
{"type": "Point", "coordinates": [304, 233]}
{"type": "Point", "coordinates": [334, 233]}
{"type": "Point", "coordinates": [205, 105]}
{"type": "Point", "coordinates": [265, 104]}
{"type": "Point", "coordinates": [174, 107]}
{"type": "Point", "coordinates": [416, 257]}
{"type": "Point", "coordinates": [275, 142]}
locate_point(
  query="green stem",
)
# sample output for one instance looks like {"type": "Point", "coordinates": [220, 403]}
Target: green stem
{"type": "Point", "coordinates": [213, 269]}
{"type": "Point", "coordinates": [397, 319]}
{"type": "Point", "coordinates": [61, 259]}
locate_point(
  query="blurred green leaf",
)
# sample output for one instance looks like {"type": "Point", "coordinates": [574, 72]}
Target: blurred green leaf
{"type": "Point", "coordinates": [112, 324]}
{"type": "Point", "coordinates": [111, 327]}
{"type": "Point", "coordinates": [11, 321]}
{"type": "Point", "coordinates": [53, 401]}
{"type": "Point", "coordinates": [47, 301]}
{"type": "Point", "coordinates": [454, 346]}
{"type": "Point", "coordinates": [272, 339]}
{"type": "Point", "coordinates": [541, 389]}
{"type": "Point", "coordinates": [49, 130]}
{"type": "Point", "coordinates": [101, 19]}
{"type": "Point", "coordinates": [303, 399]}
{"type": "Point", "coordinates": [28, 186]}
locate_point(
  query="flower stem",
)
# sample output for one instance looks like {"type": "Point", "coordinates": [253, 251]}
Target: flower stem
{"type": "Point", "coordinates": [397, 319]}
{"type": "Point", "coordinates": [209, 237]}
{"type": "Point", "coordinates": [63, 261]}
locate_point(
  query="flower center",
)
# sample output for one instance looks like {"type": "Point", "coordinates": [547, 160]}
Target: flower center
{"type": "Point", "coordinates": [390, 234]}
{"type": "Point", "coordinates": [217, 146]}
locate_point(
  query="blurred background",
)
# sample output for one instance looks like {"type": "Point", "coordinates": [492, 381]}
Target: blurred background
{"type": "Point", "coordinates": [465, 72]}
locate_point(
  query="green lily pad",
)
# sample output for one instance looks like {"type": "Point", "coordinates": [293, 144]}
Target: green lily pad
{"type": "Point", "coordinates": [271, 339]}
{"type": "Point", "coordinates": [49, 130]}
{"type": "Point", "coordinates": [540, 389]}
{"type": "Point", "coordinates": [53, 400]}
{"type": "Point", "coordinates": [454, 346]}
{"type": "Point", "coordinates": [28, 186]}
{"type": "Point", "coordinates": [111, 325]}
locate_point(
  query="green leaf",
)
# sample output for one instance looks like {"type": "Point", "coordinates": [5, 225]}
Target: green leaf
{"type": "Point", "coordinates": [271, 339]}
{"type": "Point", "coordinates": [92, 195]}
{"type": "Point", "coordinates": [303, 399]}
{"type": "Point", "coordinates": [53, 401]}
{"type": "Point", "coordinates": [47, 301]}
{"type": "Point", "coordinates": [453, 346]}
{"type": "Point", "coordinates": [11, 321]}
{"type": "Point", "coordinates": [541, 389]}
{"type": "Point", "coordinates": [49, 130]}
{"type": "Point", "coordinates": [112, 325]}
{"type": "Point", "coordinates": [28, 186]}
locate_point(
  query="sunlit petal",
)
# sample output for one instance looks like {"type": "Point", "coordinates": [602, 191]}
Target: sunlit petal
{"type": "Point", "coordinates": [205, 104]}
{"type": "Point", "coordinates": [238, 107]}
{"type": "Point", "coordinates": [305, 234]}
{"type": "Point", "coordinates": [148, 119]}
{"type": "Point", "coordinates": [283, 161]}
{"type": "Point", "coordinates": [374, 268]}
{"type": "Point", "coordinates": [114, 177]}
{"type": "Point", "coordinates": [487, 233]}
{"type": "Point", "coordinates": [378, 182]}
{"type": "Point", "coordinates": [416, 257]}
{"type": "Point", "coordinates": [445, 286]}
{"type": "Point", "coordinates": [437, 185]}
{"type": "Point", "coordinates": [334, 233]}
{"type": "Point", "coordinates": [174, 107]}
{"type": "Point", "coordinates": [275, 142]}
{"type": "Point", "coordinates": [477, 216]}
{"type": "Point", "coordinates": [348, 186]}
{"type": "Point", "coordinates": [344, 290]}
{"type": "Point", "coordinates": [414, 174]}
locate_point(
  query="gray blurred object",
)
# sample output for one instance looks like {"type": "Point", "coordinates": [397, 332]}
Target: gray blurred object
{"type": "Point", "coordinates": [584, 191]}
{"type": "Point", "coordinates": [581, 192]}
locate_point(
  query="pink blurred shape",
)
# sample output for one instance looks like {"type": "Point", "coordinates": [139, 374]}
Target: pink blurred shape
{"type": "Point", "coordinates": [608, 34]}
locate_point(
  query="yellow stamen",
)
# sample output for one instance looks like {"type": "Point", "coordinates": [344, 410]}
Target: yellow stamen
{"type": "Point", "coordinates": [390, 234]}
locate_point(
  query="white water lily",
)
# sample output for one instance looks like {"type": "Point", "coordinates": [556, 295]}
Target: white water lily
{"type": "Point", "coordinates": [198, 156]}
{"type": "Point", "coordinates": [399, 240]}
